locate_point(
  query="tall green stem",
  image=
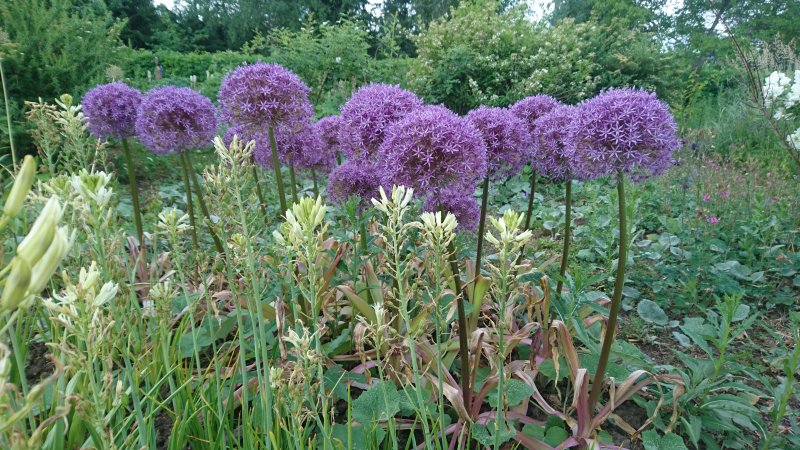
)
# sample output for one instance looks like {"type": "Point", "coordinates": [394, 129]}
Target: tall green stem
{"type": "Point", "coordinates": [530, 200]}
{"type": "Point", "coordinates": [314, 178]}
{"type": "Point", "coordinates": [187, 187]}
{"type": "Point", "coordinates": [482, 226]}
{"type": "Point", "coordinates": [567, 236]}
{"type": "Point", "coordinates": [608, 338]}
{"type": "Point", "coordinates": [463, 345]}
{"type": "Point", "coordinates": [203, 208]}
{"type": "Point", "coordinates": [258, 191]}
{"type": "Point", "coordinates": [137, 211]}
{"type": "Point", "coordinates": [293, 181]}
{"type": "Point", "coordinates": [276, 164]}
{"type": "Point", "coordinates": [8, 118]}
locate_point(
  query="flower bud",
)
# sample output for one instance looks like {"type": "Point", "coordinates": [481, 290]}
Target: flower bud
{"type": "Point", "coordinates": [16, 285]}
{"type": "Point", "coordinates": [45, 268]}
{"type": "Point", "coordinates": [22, 185]}
{"type": "Point", "coordinates": [38, 239]}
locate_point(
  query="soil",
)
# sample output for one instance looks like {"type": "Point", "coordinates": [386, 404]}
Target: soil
{"type": "Point", "coordinates": [37, 366]}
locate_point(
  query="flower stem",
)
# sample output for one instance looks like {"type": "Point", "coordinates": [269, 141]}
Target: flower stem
{"type": "Point", "coordinates": [260, 195]}
{"type": "Point", "coordinates": [482, 226]}
{"type": "Point", "coordinates": [463, 345]}
{"type": "Point", "coordinates": [8, 118]}
{"type": "Point", "coordinates": [567, 235]}
{"type": "Point", "coordinates": [276, 164]}
{"type": "Point", "coordinates": [137, 211]}
{"type": "Point", "coordinates": [530, 200]}
{"type": "Point", "coordinates": [202, 202]}
{"type": "Point", "coordinates": [293, 181]}
{"type": "Point", "coordinates": [608, 338]}
{"type": "Point", "coordinates": [190, 206]}
{"type": "Point", "coordinates": [314, 178]}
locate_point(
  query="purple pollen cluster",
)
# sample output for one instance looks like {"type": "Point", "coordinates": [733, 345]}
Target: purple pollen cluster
{"type": "Point", "coordinates": [172, 119]}
{"type": "Point", "coordinates": [329, 130]}
{"type": "Point", "coordinates": [354, 179]}
{"type": "Point", "coordinates": [626, 129]}
{"type": "Point", "coordinates": [432, 148]}
{"type": "Point", "coordinates": [111, 110]}
{"type": "Point", "coordinates": [459, 202]}
{"type": "Point", "coordinates": [554, 151]}
{"type": "Point", "coordinates": [368, 114]}
{"type": "Point", "coordinates": [531, 108]}
{"type": "Point", "coordinates": [263, 95]}
{"type": "Point", "coordinates": [506, 137]}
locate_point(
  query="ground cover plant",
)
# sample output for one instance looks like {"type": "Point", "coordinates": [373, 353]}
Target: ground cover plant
{"type": "Point", "coordinates": [223, 263]}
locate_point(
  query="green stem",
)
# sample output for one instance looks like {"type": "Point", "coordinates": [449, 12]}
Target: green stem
{"type": "Point", "coordinates": [314, 178]}
{"type": "Point", "coordinates": [567, 236]}
{"type": "Point", "coordinates": [137, 211]}
{"type": "Point", "coordinates": [258, 191]}
{"type": "Point", "coordinates": [202, 202]}
{"type": "Point", "coordinates": [608, 338]}
{"type": "Point", "coordinates": [482, 226]}
{"type": "Point", "coordinates": [790, 368]}
{"type": "Point", "coordinates": [276, 164]}
{"type": "Point", "coordinates": [463, 345]}
{"type": "Point", "coordinates": [530, 200]}
{"type": "Point", "coordinates": [293, 181]}
{"type": "Point", "coordinates": [189, 205]}
{"type": "Point", "coordinates": [8, 117]}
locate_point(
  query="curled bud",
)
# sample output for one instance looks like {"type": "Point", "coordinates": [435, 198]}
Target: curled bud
{"type": "Point", "coordinates": [44, 269]}
{"type": "Point", "coordinates": [39, 237]}
{"type": "Point", "coordinates": [22, 185]}
{"type": "Point", "coordinates": [16, 285]}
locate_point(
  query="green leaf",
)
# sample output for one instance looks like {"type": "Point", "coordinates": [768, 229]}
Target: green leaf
{"type": "Point", "coordinates": [359, 437]}
{"type": "Point", "coordinates": [670, 441]}
{"type": "Point", "coordinates": [741, 313]}
{"type": "Point", "coordinates": [516, 391]}
{"type": "Point", "coordinates": [380, 402]}
{"type": "Point", "coordinates": [650, 312]}
{"type": "Point", "coordinates": [485, 434]}
{"type": "Point", "coordinates": [555, 436]}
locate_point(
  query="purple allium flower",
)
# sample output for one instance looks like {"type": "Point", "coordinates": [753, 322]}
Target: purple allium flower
{"type": "Point", "coordinates": [432, 148]}
{"type": "Point", "coordinates": [367, 115]}
{"type": "Point", "coordinates": [531, 108]}
{"type": "Point", "coordinates": [304, 148]}
{"type": "Point", "coordinates": [263, 95]}
{"type": "Point", "coordinates": [329, 130]}
{"type": "Point", "coordinates": [111, 110]}
{"type": "Point", "coordinates": [626, 129]}
{"type": "Point", "coordinates": [458, 201]}
{"type": "Point", "coordinates": [354, 179]}
{"type": "Point", "coordinates": [506, 137]}
{"type": "Point", "coordinates": [175, 119]}
{"type": "Point", "coordinates": [554, 151]}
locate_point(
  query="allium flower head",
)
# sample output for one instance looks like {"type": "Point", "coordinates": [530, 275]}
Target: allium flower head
{"type": "Point", "coordinates": [329, 130]}
{"type": "Point", "coordinates": [626, 129]}
{"type": "Point", "coordinates": [458, 201]}
{"type": "Point", "coordinates": [531, 108]}
{"type": "Point", "coordinates": [367, 115]}
{"type": "Point", "coordinates": [263, 95]}
{"type": "Point", "coordinates": [111, 110]}
{"type": "Point", "coordinates": [506, 137]}
{"type": "Point", "coordinates": [172, 119]}
{"type": "Point", "coordinates": [554, 151]}
{"type": "Point", "coordinates": [354, 178]}
{"type": "Point", "coordinates": [304, 148]}
{"type": "Point", "coordinates": [432, 148]}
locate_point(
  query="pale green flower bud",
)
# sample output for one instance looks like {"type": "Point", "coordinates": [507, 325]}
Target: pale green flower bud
{"type": "Point", "coordinates": [46, 267]}
{"type": "Point", "coordinates": [41, 234]}
{"type": "Point", "coordinates": [22, 185]}
{"type": "Point", "coordinates": [17, 284]}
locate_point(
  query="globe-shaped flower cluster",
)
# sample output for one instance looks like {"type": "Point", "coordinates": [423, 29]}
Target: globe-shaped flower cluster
{"type": "Point", "coordinates": [172, 119]}
{"type": "Point", "coordinates": [554, 150]}
{"type": "Point", "coordinates": [259, 96]}
{"type": "Point", "coordinates": [369, 113]}
{"type": "Point", "coordinates": [507, 140]}
{"type": "Point", "coordinates": [432, 148]}
{"type": "Point", "coordinates": [626, 129]}
{"type": "Point", "coordinates": [531, 108]}
{"type": "Point", "coordinates": [111, 110]}
{"type": "Point", "coordinates": [354, 178]}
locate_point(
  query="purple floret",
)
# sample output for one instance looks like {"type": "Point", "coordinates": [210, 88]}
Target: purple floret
{"type": "Point", "coordinates": [458, 201]}
{"type": "Point", "coordinates": [111, 110]}
{"type": "Point", "coordinates": [531, 108]}
{"type": "Point", "coordinates": [367, 115]}
{"type": "Point", "coordinates": [354, 179]}
{"type": "Point", "coordinates": [430, 149]}
{"type": "Point", "coordinates": [263, 95]}
{"type": "Point", "coordinates": [172, 119]}
{"type": "Point", "coordinates": [507, 140]}
{"type": "Point", "coordinates": [626, 129]}
{"type": "Point", "coordinates": [554, 151]}
{"type": "Point", "coordinates": [329, 130]}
